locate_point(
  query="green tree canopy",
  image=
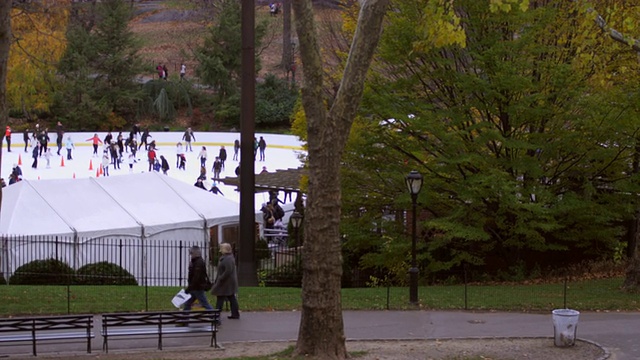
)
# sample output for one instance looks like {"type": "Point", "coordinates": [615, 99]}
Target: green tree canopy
{"type": "Point", "coordinates": [99, 70]}
{"type": "Point", "coordinates": [525, 136]}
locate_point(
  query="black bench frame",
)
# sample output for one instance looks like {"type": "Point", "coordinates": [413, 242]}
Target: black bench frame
{"type": "Point", "coordinates": [46, 328]}
{"type": "Point", "coordinates": [159, 323]}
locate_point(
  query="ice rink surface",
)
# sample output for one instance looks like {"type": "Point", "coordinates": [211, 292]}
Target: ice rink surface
{"type": "Point", "coordinates": [282, 152]}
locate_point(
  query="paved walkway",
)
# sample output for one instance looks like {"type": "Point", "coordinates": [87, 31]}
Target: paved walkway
{"type": "Point", "coordinates": [618, 332]}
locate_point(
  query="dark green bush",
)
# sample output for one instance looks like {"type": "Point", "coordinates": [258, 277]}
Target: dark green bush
{"type": "Point", "coordinates": [262, 250]}
{"type": "Point", "coordinates": [288, 275]}
{"type": "Point", "coordinates": [104, 273]}
{"type": "Point", "coordinates": [3, 281]}
{"type": "Point", "coordinates": [275, 99]}
{"type": "Point", "coordinates": [43, 272]}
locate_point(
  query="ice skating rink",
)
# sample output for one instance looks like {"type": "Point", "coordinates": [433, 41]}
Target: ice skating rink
{"type": "Point", "coordinates": [282, 152]}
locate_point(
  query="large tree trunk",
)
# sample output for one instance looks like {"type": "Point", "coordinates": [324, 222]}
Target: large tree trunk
{"type": "Point", "coordinates": [321, 331]}
{"type": "Point", "coordinates": [287, 51]}
{"type": "Point", "coordinates": [5, 45]}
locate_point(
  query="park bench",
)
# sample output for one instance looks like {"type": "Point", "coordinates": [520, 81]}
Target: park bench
{"type": "Point", "coordinates": [47, 328]}
{"type": "Point", "coordinates": [160, 324]}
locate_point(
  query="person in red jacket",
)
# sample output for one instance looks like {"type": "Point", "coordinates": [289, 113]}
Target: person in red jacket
{"type": "Point", "coordinates": [151, 154]}
{"type": "Point", "coordinates": [7, 135]}
{"type": "Point", "coordinates": [95, 140]}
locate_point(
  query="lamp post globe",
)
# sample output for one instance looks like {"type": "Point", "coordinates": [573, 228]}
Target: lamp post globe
{"type": "Point", "coordinates": [414, 185]}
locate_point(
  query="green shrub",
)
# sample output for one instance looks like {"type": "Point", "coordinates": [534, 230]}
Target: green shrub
{"type": "Point", "coordinates": [262, 250]}
{"type": "Point", "coordinates": [3, 281]}
{"type": "Point", "coordinates": [43, 272]}
{"type": "Point", "coordinates": [104, 273]}
{"type": "Point", "coordinates": [288, 275]}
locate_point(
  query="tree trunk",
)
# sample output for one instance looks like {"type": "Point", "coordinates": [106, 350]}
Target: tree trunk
{"type": "Point", "coordinates": [321, 332]}
{"type": "Point", "coordinates": [287, 49]}
{"type": "Point", "coordinates": [5, 44]}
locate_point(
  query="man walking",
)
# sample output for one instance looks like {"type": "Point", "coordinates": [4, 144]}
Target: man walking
{"type": "Point", "coordinates": [197, 280]}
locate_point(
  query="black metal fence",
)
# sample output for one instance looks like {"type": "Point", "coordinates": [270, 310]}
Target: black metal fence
{"type": "Point", "coordinates": [92, 276]}
{"type": "Point", "coordinates": [23, 260]}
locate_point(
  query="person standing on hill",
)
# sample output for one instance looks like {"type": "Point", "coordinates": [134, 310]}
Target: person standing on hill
{"type": "Point", "coordinates": [165, 71]}
{"type": "Point", "coordinates": [226, 285]}
{"type": "Point", "coordinates": [183, 71]}
{"type": "Point", "coordinates": [95, 140]}
{"type": "Point", "coordinates": [187, 137]}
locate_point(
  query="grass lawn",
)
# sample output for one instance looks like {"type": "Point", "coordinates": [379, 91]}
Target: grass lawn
{"type": "Point", "coordinates": [591, 295]}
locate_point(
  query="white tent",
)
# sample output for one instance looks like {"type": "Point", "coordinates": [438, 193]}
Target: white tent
{"type": "Point", "coordinates": [137, 209]}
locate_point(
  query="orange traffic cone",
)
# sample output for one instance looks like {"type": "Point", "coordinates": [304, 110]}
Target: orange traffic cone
{"type": "Point", "coordinates": [61, 161]}
{"type": "Point", "coordinates": [101, 172]}
{"type": "Point", "coordinates": [74, 175]}
{"type": "Point", "coordinates": [97, 173]}
{"type": "Point", "coordinates": [90, 164]}
{"type": "Point", "coordinates": [19, 159]}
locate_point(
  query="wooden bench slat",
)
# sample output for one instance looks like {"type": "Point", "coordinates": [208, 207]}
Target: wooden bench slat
{"type": "Point", "coordinates": [46, 328]}
{"type": "Point", "coordinates": [160, 323]}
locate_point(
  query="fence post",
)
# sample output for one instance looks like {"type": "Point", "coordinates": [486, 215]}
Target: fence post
{"type": "Point", "coordinates": [180, 263]}
{"type": "Point", "coordinates": [68, 297]}
{"type": "Point", "coordinates": [464, 270]}
{"type": "Point", "coordinates": [564, 291]}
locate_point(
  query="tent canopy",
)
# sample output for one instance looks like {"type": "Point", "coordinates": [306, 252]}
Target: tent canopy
{"type": "Point", "coordinates": [148, 205]}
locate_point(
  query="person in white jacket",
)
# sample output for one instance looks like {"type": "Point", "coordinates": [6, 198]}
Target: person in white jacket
{"type": "Point", "coordinates": [203, 157]}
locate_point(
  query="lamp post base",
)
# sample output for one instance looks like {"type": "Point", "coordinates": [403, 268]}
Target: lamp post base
{"type": "Point", "coordinates": [413, 286]}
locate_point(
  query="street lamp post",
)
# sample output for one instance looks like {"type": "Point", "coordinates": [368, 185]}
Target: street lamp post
{"type": "Point", "coordinates": [296, 221]}
{"type": "Point", "coordinates": [414, 185]}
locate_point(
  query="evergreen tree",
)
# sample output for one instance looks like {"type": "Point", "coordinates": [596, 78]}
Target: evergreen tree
{"type": "Point", "coordinates": [220, 57]}
{"type": "Point", "coordinates": [99, 70]}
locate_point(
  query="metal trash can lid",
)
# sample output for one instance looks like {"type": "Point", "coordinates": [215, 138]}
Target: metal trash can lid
{"type": "Point", "coordinates": [565, 312]}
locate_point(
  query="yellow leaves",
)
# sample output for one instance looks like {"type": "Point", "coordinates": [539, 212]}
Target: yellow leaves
{"type": "Point", "coordinates": [39, 43]}
{"type": "Point", "coordinates": [440, 26]}
{"type": "Point", "coordinates": [508, 5]}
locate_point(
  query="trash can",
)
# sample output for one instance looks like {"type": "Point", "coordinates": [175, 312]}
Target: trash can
{"type": "Point", "coordinates": [565, 325]}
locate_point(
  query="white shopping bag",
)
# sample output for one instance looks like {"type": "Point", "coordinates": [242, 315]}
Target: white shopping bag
{"type": "Point", "coordinates": [180, 298]}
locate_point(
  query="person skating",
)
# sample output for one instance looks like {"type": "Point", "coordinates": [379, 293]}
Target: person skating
{"type": "Point", "coordinates": [69, 146]}
{"type": "Point", "coordinates": [7, 135]}
{"type": "Point", "coordinates": [188, 136]}
{"type": "Point", "coordinates": [95, 141]}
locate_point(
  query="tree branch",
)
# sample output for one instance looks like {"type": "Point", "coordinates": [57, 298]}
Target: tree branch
{"type": "Point", "coordinates": [615, 34]}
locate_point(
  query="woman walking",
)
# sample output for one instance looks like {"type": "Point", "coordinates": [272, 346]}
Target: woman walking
{"type": "Point", "coordinates": [226, 285]}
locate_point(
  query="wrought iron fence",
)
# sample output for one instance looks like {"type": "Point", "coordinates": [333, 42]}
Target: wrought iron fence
{"type": "Point", "coordinates": [82, 276]}
{"type": "Point", "coordinates": [94, 261]}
